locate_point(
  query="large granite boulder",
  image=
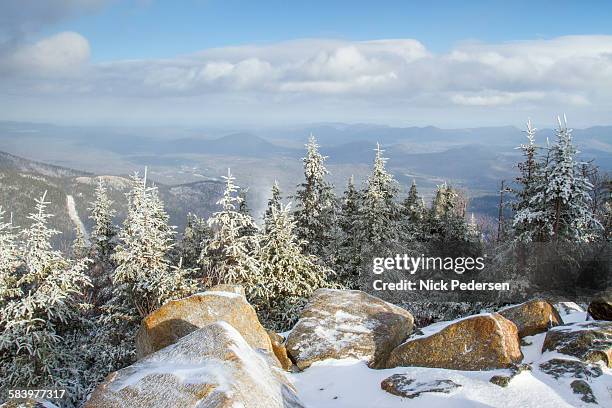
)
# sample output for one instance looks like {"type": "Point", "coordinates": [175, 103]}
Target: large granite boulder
{"type": "Point", "coordinates": [404, 386]}
{"type": "Point", "coordinates": [178, 318]}
{"type": "Point", "coordinates": [600, 307]}
{"type": "Point", "coordinates": [478, 342]}
{"type": "Point", "coordinates": [212, 367]}
{"type": "Point", "coordinates": [337, 324]}
{"type": "Point", "coordinates": [533, 317]}
{"type": "Point", "coordinates": [590, 341]}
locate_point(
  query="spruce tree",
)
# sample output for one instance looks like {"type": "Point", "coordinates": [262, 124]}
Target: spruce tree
{"type": "Point", "coordinates": [103, 231]}
{"type": "Point", "coordinates": [229, 253]}
{"type": "Point", "coordinates": [315, 212]}
{"type": "Point", "coordinates": [291, 276]}
{"type": "Point", "coordinates": [9, 258]}
{"type": "Point", "coordinates": [379, 214]}
{"type": "Point", "coordinates": [274, 203]}
{"type": "Point", "coordinates": [41, 314]}
{"type": "Point", "coordinates": [349, 248]}
{"type": "Point", "coordinates": [194, 239]}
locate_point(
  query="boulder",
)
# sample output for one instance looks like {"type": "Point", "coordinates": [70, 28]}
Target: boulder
{"type": "Point", "coordinates": [280, 351]}
{"type": "Point", "coordinates": [583, 388]}
{"type": "Point", "coordinates": [178, 318]}
{"type": "Point", "coordinates": [559, 368]}
{"type": "Point", "coordinates": [590, 341]}
{"type": "Point", "coordinates": [533, 317]}
{"type": "Point", "coordinates": [600, 307]}
{"type": "Point", "coordinates": [338, 324]}
{"type": "Point", "coordinates": [404, 386]}
{"type": "Point", "coordinates": [478, 342]}
{"type": "Point", "coordinates": [212, 367]}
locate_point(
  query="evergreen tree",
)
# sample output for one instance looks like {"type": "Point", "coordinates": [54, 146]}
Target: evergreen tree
{"type": "Point", "coordinates": [9, 259]}
{"type": "Point", "coordinates": [527, 222]}
{"type": "Point", "coordinates": [80, 246]}
{"type": "Point", "coordinates": [243, 208]}
{"type": "Point", "coordinates": [291, 276]}
{"type": "Point", "coordinates": [229, 253]}
{"type": "Point", "coordinates": [103, 231]}
{"type": "Point", "coordinates": [274, 203]}
{"type": "Point", "coordinates": [412, 206]}
{"type": "Point", "coordinates": [349, 248]}
{"type": "Point", "coordinates": [316, 205]}
{"type": "Point", "coordinates": [40, 315]}
{"type": "Point", "coordinates": [559, 208]}
{"type": "Point", "coordinates": [196, 235]}
{"type": "Point", "coordinates": [142, 254]}
{"type": "Point", "coordinates": [379, 228]}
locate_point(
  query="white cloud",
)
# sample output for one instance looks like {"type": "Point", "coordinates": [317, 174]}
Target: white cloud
{"type": "Point", "coordinates": [62, 53]}
{"type": "Point", "coordinates": [387, 77]}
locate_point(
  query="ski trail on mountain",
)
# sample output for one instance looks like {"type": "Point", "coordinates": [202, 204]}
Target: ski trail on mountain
{"type": "Point", "coordinates": [74, 216]}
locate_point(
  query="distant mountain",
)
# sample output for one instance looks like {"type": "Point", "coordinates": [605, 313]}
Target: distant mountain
{"type": "Point", "coordinates": [23, 180]}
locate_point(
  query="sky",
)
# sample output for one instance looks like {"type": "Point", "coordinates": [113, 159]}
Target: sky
{"type": "Point", "coordinates": [246, 63]}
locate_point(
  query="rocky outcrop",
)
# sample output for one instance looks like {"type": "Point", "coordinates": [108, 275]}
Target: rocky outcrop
{"type": "Point", "coordinates": [504, 380]}
{"type": "Point", "coordinates": [280, 351]}
{"type": "Point", "coordinates": [600, 307]}
{"type": "Point", "coordinates": [338, 324]}
{"type": "Point", "coordinates": [590, 341]}
{"type": "Point", "coordinates": [212, 367]}
{"type": "Point", "coordinates": [178, 318]}
{"type": "Point", "coordinates": [533, 317]}
{"type": "Point", "coordinates": [583, 388]}
{"type": "Point", "coordinates": [404, 386]}
{"type": "Point", "coordinates": [476, 343]}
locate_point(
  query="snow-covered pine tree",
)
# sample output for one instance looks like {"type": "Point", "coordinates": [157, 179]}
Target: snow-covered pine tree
{"type": "Point", "coordinates": [528, 223]}
{"type": "Point", "coordinates": [40, 318]}
{"type": "Point", "coordinates": [103, 231]}
{"type": "Point", "coordinates": [194, 239]}
{"type": "Point", "coordinates": [349, 248]}
{"type": "Point", "coordinates": [80, 247]}
{"type": "Point", "coordinates": [412, 206]}
{"type": "Point", "coordinates": [142, 254]}
{"type": "Point", "coordinates": [291, 275]}
{"type": "Point", "coordinates": [274, 203]}
{"type": "Point", "coordinates": [315, 211]}
{"type": "Point", "coordinates": [243, 208]}
{"type": "Point", "coordinates": [9, 258]}
{"type": "Point", "coordinates": [228, 253]}
{"type": "Point", "coordinates": [379, 215]}
{"type": "Point", "coordinates": [560, 207]}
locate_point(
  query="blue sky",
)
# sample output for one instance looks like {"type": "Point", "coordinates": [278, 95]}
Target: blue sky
{"type": "Point", "coordinates": [443, 63]}
{"type": "Point", "coordinates": [154, 29]}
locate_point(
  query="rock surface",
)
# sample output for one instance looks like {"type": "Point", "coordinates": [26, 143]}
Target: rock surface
{"type": "Point", "coordinates": [476, 343]}
{"type": "Point", "coordinates": [212, 367]}
{"type": "Point", "coordinates": [533, 317]}
{"type": "Point", "coordinates": [178, 318]}
{"type": "Point", "coordinates": [504, 380]}
{"type": "Point", "coordinates": [600, 307]}
{"type": "Point", "coordinates": [404, 386]}
{"type": "Point", "coordinates": [280, 351]}
{"type": "Point", "coordinates": [590, 341]}
{"type": "Point", "coordinates": [583, 388]}
{"type": "Point", "coordinates": [558, 367]}
{"type": "Point", "coordinates": [338, 324]}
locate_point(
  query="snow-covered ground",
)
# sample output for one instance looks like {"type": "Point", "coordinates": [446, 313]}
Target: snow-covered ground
{"type": "Point", "coordinates": [350, 383]}
{"type": "Point", "coordinates": [74, 216]}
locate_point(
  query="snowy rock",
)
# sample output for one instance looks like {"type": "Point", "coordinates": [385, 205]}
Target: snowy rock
{"type": "Point", "coordinates": [280, 351]}
{"type": "Point", "coordinates": [212, 367]}
{"type": "Point", "coordinates": [533, 317]}
{"type": "Point", "coordinates": [337, 324]}
{"type": "Point", "coordinates": [590, 341]}
{"type": "Point", "coordinates": [504, 380]}
{"type": "Point", "coordinates": [178, 318]}
{"type": "Point", "coordinates": [567, 308]}
{"type": "Point", "coordinates": [583, 388]}
{"type": "Point", "coordinates": [404, 386]}
{"type": "Point", "coordinates": [600, 307]}
{"type": "Point", "coordinates": [559, 368]}
{"type": "Point", "coordinates": [476, 343]}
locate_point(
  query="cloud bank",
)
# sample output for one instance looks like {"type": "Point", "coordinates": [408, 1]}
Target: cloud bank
{"type": "Point", "coordinates": [319, 79]}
